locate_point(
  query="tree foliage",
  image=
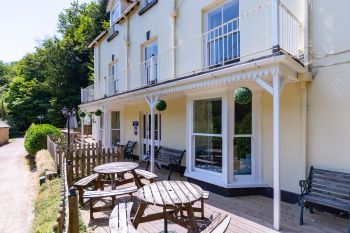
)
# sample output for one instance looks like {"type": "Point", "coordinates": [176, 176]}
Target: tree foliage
{"type": "Point", "coordinates": [44, 81]}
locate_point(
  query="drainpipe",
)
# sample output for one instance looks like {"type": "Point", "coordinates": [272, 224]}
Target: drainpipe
{"type": "Point", "coordinates": [304, 93]}
{"type": "Point", "coordinates": [173, 38]}
{"type": "Point", "coordinates": [306, 32]}
{"type": "Point", "coordinates": [127, 43]}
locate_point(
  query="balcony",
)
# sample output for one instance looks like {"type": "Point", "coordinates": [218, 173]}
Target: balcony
{"type": "Point", "coordinates": [246, 38]}
{"type": "Point", "coordinates": [87, 94]}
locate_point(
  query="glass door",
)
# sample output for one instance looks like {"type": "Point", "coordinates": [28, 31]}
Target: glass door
{"type": "Point", "coordinates": [146, 133]}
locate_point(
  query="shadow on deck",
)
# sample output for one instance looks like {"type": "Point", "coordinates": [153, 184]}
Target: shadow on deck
{"type": "Point", "coordinates": [248, 214]}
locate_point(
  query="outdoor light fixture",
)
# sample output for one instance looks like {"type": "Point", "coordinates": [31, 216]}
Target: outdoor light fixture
{"type": "Point", "coordinates": [68, 114]}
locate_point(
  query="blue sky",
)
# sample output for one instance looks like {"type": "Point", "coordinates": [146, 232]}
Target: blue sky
{"type": "Point", "coordinates": [24, 23]}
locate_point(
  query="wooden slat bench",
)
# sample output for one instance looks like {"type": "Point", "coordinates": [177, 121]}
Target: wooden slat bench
{"type": "Point", "coordinates": [327, 188]}
{"type": "Point", "coordinates": [94, 196]}
{"type": "Point", "coordinates": [168, 157]}
{"type": "Point", "coordinates": [84, 183]}
{"type": "Point", "coordinates": [146, 175]}
{"type": "Point", "coordinates": [219, 223]}
{"type": "Point", "coordinates": [120, 221]}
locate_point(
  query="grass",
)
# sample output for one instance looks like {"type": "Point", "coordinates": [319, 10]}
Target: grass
{"type": "Point", "coordinates": [46, 206]}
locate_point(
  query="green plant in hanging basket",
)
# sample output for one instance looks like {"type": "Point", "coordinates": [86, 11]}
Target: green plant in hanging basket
{"type": "Point", "coordinates": [98, 112]}
{"type": "Point", "coordinates": [243, 95]}
{"type": "Point", "coordinates": [82, 114]}
{"type": "Point", "coordinates": [161, 105]}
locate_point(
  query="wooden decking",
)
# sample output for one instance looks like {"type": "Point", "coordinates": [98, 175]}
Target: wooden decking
{"type": "Point", "coordinates": [248, 214]}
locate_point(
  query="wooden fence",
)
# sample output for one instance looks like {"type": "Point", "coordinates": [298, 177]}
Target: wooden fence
{"type": "Point", "coordinates": [74, 164]}
{"type": "Point", "coordinates": [83, 156]}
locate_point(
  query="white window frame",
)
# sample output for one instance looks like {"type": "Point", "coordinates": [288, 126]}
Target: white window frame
{"type": "Point", "coordinates": [116, 129]}
{"type": "Point", "coordinates": [146, 70]}
{"type": "Point", "coordinates": [113, 17]}
{"type": "Point", "coordinates": [114, 76]}
{"type": "Point", "coordinates": [256, 161]}
{"type": "Point", "coordinates": [206, 58]}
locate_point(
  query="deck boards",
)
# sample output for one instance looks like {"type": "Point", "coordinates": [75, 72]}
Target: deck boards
{"type": "Point", "coordinates": [248, 214]}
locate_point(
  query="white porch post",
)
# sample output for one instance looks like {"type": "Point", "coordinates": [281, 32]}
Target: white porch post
{"type": "Point", "coordinates": [106, 127]}
{"type": "Point", "coordinates": [276, 152]}
{"type": "Point", "coordinates": [152, 100]}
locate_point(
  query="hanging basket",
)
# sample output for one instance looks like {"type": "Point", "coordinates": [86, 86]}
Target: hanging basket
{"type": "Point", "coordinates": [82, 114]}
{"type": "Point", "coordinates": [161, 105]}
{"type": "Point", "coordinates": [243, 95]}
{"type": "Point", "coordinates": [98, 112]}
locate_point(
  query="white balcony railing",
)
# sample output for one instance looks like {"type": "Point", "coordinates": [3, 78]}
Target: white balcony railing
{"type": "Point", "coordinates": [241, 39]}
{"type": "Point", "coordinates": [87, 94]}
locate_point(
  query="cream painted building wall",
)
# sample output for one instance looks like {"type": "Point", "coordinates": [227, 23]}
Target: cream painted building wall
{"type": "Point", "coordinates": [329, 93]}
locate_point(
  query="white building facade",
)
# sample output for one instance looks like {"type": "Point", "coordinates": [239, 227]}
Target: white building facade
{"type": "Point", "coordinates": [291, 54]}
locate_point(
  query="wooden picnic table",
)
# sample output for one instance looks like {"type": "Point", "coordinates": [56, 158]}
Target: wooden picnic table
{"type": "Point", "coordinates": [174, 197]}
{"type": "Point", "coordinates": [119, 168]}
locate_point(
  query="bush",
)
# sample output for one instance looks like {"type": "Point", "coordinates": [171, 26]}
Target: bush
{"type": "Point", "coordinates": [35, 138]}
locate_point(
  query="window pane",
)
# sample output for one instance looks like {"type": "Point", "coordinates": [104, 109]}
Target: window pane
{"type": "Point", "coordinates": [115, 121]}
{"type": "Point", "coordinates": [243, 118]}
{"type": "Point", "coordinates": [208, 153]}
{"type": "Point", "coordinates": [214, 18]}
{"type": "Point", "coordinates": [207, 116]}
{"type": "Point", "coordinates": [102, 121]}
{"type": "Point", "coordinates": [230, 10]}
{"type": "Point", "coordinates": [115, 137]}
{"type": "Point", "coordinates": [242, 164]}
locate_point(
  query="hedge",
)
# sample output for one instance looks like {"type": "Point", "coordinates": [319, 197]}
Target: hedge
{"type": "Point", "coordinates": [35, 137]}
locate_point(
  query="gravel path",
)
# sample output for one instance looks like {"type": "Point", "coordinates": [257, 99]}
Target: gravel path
{"type": "Point", "coordinates": [16, 189]}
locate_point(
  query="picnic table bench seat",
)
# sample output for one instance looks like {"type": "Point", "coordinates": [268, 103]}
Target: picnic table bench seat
{"type": "Point", "coordinates": [219, 223]}
{"type": "Point", "coordinates": [146, 175]}
{"type": "Point", "coordinates": [83, 183]}
{"type": "Point", "coordinates": [96, 195]}
{"type": "Point", "coordinates": [327, 188]}
{"type": "Point", "coordinates": [120, 221]}
{"type": "Point", "coordinates": [168, 157]}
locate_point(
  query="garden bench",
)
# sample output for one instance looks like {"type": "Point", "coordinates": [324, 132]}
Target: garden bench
{"type": "Point", "coordinates": [168, 157]}
{"type": "Point", "coordinates": [327, 188]}
{"type": "Point", "coordinates": [84, 183]}
{"type": "Point", "coordinates": [94, 196]}
{"type": "Point", "coordinates": [128, 149]}
{"type": "Point", "coordinates": [146, 175]}
{"type": "Point", "coordinates": [120, 221]}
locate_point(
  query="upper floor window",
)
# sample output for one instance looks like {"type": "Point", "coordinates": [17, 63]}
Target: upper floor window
{"type": "Point", "coordinates": [223, 42]}
{"type": "Point", "coordinates": [115, 14]}
{"type": "Point", "coordinates": [146, 4]}
{"type": "Point", "coordinates": [151, 63]}
{"type": "Point", "coordinates": [115, 78]}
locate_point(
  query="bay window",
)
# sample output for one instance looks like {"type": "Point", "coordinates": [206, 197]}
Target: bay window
{"type": "Point", "coordinates": [207, 132]}
{"type": "Point", "coordinates": [242, 140]}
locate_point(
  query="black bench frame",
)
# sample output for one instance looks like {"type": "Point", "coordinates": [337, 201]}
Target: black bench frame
{"type": "Point", "coordinates": [327, 188]}
{"type": "Point", "coordinates": [128, 149]}
{"type": "Point", "coordinates": [169, 157]}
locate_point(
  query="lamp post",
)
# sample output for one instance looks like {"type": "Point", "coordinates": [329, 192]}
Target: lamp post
{"type": "Point", "coordinates": [40, 118]}
{"type": "Point", "coordinates": [68, 114]}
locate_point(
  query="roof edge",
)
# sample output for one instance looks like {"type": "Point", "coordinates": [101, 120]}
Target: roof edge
{"type": "Point", "coordinates": [98, 38]}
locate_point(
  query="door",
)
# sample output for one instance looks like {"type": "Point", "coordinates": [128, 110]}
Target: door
{"type": "Point", "coordinates": [146, 134]}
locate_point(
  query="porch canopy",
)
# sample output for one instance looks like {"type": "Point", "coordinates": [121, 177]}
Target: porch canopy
{"type": "Point", "coordinates": [271, 78]}
{"type": "Point", "coordinates": [270, 74]}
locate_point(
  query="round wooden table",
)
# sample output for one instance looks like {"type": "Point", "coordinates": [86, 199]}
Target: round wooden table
{"type": "Point", "coordinates": [117, 168]}
{"type": "Point", "coordinates": [171, 195]}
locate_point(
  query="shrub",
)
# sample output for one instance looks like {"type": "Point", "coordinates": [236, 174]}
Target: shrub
{"type": "Point", "coordinates": [35, 138]}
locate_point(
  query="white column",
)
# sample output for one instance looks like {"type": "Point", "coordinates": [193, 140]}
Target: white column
{"type": "Point", "coordinates": [152, 100]}
{"type": "Point", "coordinates": [106, 127]}
{"type": "Point", "coordinates": [275, 24]}
{"type": "Point", "coordinates": [276, 153]}
{"type": "Point", "coordinates": [152, 135]}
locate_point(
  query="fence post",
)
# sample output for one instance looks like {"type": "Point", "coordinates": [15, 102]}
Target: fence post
{"type": "Point", "coordinates": [73, 225]}
{"type": "Point", "coordinates": [69, 170]}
